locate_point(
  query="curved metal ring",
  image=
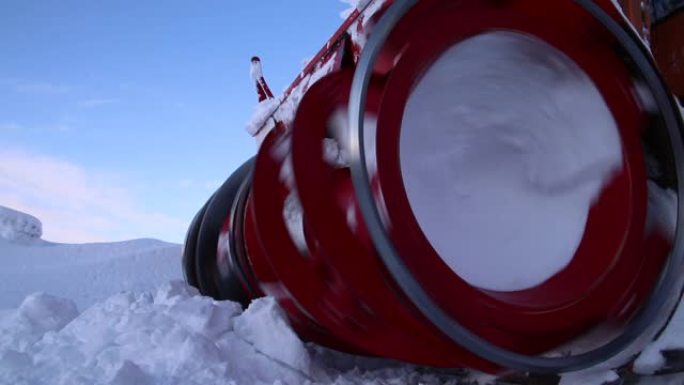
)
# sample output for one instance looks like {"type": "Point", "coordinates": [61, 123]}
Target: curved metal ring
{"type": "Point", "coordinates": [667, 285]}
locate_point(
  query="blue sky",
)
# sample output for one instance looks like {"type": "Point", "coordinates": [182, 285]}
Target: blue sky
{"type": "Point", "coordinates": [118, 119]}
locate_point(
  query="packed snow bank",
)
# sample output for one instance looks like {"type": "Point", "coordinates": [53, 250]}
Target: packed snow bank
{"type": "Point", "coordinates": [18, 226]}
{"type": "Point", "coordinates": [84, 273]}
{"type": "Point", "coordinates": [173, 336]}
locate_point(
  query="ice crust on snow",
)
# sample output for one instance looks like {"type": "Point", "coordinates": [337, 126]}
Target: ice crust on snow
{"type": "Point", "coordinates": [18, 226]}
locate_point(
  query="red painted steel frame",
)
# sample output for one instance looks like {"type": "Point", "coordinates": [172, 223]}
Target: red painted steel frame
{"type": "Point", "coordinates": [337, 291]}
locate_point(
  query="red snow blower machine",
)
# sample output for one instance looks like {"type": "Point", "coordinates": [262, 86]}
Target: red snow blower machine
{"type": "Point", "coordinates": [488, 184]}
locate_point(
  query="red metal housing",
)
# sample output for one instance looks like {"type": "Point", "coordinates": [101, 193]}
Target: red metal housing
{"type": "Point", "coordinates": [329, 275]}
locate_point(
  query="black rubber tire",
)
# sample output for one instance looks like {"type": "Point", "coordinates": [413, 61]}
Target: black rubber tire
{"type": "Point", "coordinates": [189, 247]}
{"type": "Point", "coordinates": [236, 281]}
{"type": "Point", "coordinates": [218, 209]}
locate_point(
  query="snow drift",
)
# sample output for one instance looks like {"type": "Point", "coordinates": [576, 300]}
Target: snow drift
{"type": "Point", "coordinates": [171, 336]}
{"type": "Point", "coordinates": [84, 273]}
{"type": "Point", "coordinates": [18, 226]}
{"type": "Point", "coordinates": [118, 313]}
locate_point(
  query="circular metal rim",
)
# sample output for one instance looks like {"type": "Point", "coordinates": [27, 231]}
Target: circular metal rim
{"type": "Point", "coordinates": [669, 281]}
{"type": "Point", "coordinates": [567, 304]}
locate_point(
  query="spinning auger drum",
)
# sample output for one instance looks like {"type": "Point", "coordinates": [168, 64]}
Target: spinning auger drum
{"type": "Point", "coordinates": [492, 184]}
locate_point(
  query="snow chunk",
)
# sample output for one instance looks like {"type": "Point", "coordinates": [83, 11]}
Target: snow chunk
{"type": "Point", "coordinates": [262, 324]}
{"type": "Point", "coordinates": [262, 117]}
{"type": "Point", "coordinates": [38, 314]}
{"type": "Point", "coordinates": [589, 377]}
{"type": "Point", "coordinates": [18, 226]}
{"type": "Point", "coordinates": [171, 336]}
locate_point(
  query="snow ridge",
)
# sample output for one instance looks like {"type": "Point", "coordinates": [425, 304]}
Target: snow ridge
{"type": "Point", "coordinates": [18, 226]}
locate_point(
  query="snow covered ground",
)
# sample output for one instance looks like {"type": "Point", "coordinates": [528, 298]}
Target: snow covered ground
{"type": "Point", "coordinates": [119, 313]}
{"type": "Point", "coordinates": [84, 273]}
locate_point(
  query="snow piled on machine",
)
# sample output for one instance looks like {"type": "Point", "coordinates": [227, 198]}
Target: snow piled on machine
{"type": "Point", "coordinates": [169, 336]}
{"type": "Point", "coordinates": [353, 5]}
